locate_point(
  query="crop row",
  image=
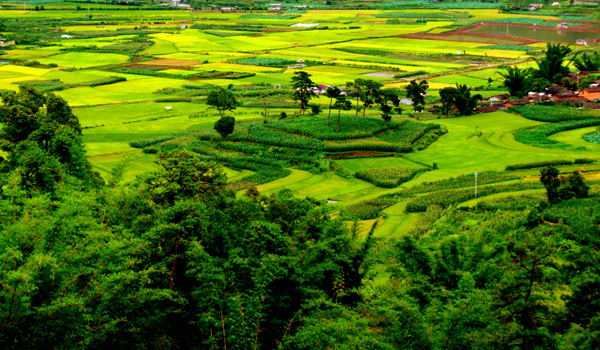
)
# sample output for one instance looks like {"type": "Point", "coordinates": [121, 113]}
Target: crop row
{"type": "Point", "coordinates": [369, 209]}
{"type": "Point", "coordinates": [447, 198]}
{"type": "Point", "coordinates": [539, 164]}
{"type": "Point", "coordinates": [462, 181]}
{"type": "Point", "coordinates": [509, 47]}
{"type": "Point", "coordinates": [554, 113]}
{"type": "Point", "coordinates": [520, 202]}
{"type": "Point", "coordinates": [582, 215]}
{"type": "Point", "coordinates": [370, 144]}
{"type": "Point", "coordinates": [409, 132]}
{"type": "Point", "coordinates": [388, 177]}
{"type": "Point", "coordinates": [263, 61]}
{"type": "Point", "coordinates": [350, 127]}
{"type": "Point", "coordinates": [539, 136]}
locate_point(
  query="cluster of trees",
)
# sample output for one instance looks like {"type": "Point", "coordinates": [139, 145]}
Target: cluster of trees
{"type": "Point", "coordinates": [552, 69]}
{"type": "Point", "coordinates": [368, 91]}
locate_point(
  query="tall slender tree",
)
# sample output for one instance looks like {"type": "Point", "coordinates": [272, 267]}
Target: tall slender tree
{"type": "Point", "coordinates": [370, 93]}
{"type": "Point", "coordinates": [303, 89]}
{"type": "Point", "coordinates": [387, 100]}
{"type": "Point", "coordinates": [332, 92]}
{"type": "Point", "coordinates": [341, 102]}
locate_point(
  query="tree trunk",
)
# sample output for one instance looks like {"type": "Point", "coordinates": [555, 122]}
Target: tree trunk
{"type": "Point", "coordinates": [330, 102]}
{"type": "Point", "coordinates": [338, 126]}
{"type": "Point", "coordinates": [172, 274]}
{"type": "Point", "coordinates": [357, 95]}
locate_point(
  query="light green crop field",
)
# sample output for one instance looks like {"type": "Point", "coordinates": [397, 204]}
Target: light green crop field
{"type": "Point", "coordinates": [84, 59]}
{"type": "Point", "coordinates": [346, 46]}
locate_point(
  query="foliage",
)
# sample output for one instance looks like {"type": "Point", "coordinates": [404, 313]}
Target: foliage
{"type": "Point", "coordinates": [563, 188]}
{"type": "Point", "coordinates": [43, 146]}
{"type": "Point", "coordinates": [461, 98]}
{"type": "Point", "coordinates": [222, 100]}
{"type": "Point", "coordinates": [416, 93]}
{"type": "Point", "coordinates": [551, 67]}
{"type": "Point", "coordinates": [369, 209]}
{"type": "Point", "coordinates": [387, 99]}
{"type": "Point", "coordinates": [225, 126]}
{"type": "Point", "coordinates": [303, 89]}
{"type": "Point", "coordinates": [388, 177]}
{"type": "Point", "coordinates": [517, 81]}
{"type": "Point", "coordinates": [586, 62]}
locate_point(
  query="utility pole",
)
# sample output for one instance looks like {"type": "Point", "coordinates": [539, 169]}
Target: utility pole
{"type": "Point", "coordinates": [476, 173]}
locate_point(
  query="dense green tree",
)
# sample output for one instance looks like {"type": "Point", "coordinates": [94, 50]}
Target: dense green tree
{"type": "Point", "coordinates": [225, 126]}
{"type": "Point", "coordinates": [42, 145]}
{"type": "Point", "coordinates": [222, 100]}
{"type": "Point", "coordinates": [549, 177]}
{"type": "Point", "coordinates": [303, 89]}
{"type": "Point", "coordinates": [358, 87]}
{"type": "Point", "coordinates": [551, 67]}
{"type": "Point", "coordinates": [387, 100]}
{"type": "Point", "coordinates": [416, 92]}
{"type": "Point", "coordinates": [447, 99]}
{"type": "Point", "coordinates": [370, 93]}
{"type": "Point", "coordinates": [516, 80]}
{"type": "Point", "coordinates": [332, 92]}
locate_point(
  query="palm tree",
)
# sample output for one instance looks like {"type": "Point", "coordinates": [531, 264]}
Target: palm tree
{"type": "Point", "coordinates": [551, 66]}
{"type": "Point", "coordinates": [332, 92]}
{"type": "Point", "coordinates": [586, 63]}
{"type": "Point", "coordinates": [516, 80]}
{"type": "Point", "coordinates": [464, 102]}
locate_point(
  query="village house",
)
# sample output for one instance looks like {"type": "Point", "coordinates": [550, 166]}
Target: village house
{"type": "Point", "coordinates": [513, 103]}
{"type": "Point", "coordinates": [573, 101]}
{"type": "Point", "coordinates": [564, 96]}
{"type": "Point", "coordinates": [581, 42]}
{"type": "Point", "coordinates": [563, 25]}
{"type": "Point", "coordinates": [537, 97]}
{"type": "Point", "coordinates": [489, 109]}
{"type": "Point", "coordinates": [592, 105]}
{"type": "Point", "coordinates": [228, 9]}
{"type": "Point", "coordinates": [591, 93]}
{"type": "Point", "coordinates": [497, 98]}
